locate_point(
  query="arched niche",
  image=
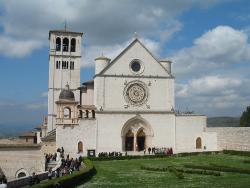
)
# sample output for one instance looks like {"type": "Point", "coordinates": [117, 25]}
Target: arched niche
{"type": "Point", "coordinates": [21, 173]}
{"type": "Point", "coordinates": [198, 143]}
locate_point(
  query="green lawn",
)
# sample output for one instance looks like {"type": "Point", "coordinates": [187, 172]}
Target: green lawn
{"type": "Point", "coordinates": [128, 173]}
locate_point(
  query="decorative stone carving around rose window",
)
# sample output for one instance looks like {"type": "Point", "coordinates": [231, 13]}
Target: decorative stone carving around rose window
{"type": "Point", "coordinates": [136, 93]}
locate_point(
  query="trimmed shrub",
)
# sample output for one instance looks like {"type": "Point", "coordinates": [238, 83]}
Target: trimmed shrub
{"type": "Point", "coordinates": [177, 173]}
{"type": "Point", "coordinates": [246, 161]}
{"type": "Point", "coordinates": [219, 168]}
{"type": "Point", "coordinates": [129, 157]}
{"type": "Point", "coordinates": [188, 171]}
{"type": "Point", "coordinates": [71, 180]}
{"type": "Point", "coordinates": [234, 152]}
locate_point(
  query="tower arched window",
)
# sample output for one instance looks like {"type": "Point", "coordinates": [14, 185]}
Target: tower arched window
{"type": "Point", "coordinates": [71, 65]}
{"type": "Point", "coordinates": [64, 66]}
{"type": "Point", "coordinates": [73, 45]}
{"type": "Point", "coordinates": [80, 114]}
{"type": "Point", "coordinates": [66, 112]}
{"type": "Point", "coordinates": [58, 64]}
{"type": "Point", "coordinates": [80, 147]}
{"type": "Point", "coordinates": [65, 44]}
{"type": "Point", "coordinates": [58, 44]}
{"type": "Point", "coordinates": [93, 114]}
{"type": "Point", "coordinates": [87, 114]}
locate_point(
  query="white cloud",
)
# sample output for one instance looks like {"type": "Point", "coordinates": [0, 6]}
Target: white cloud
{"type": "Point", "coordinates": [209, 94]}
{"type": "Point", "coordinates": [44, 94]}
{"type": "Point", "coordinates": [104, 23]}
{"type": "Point", "coordinates": [36, 106]}
{"type": "Point", "coordinates": [18, 48]}
{"type": "Point", "coordinates": [4, 104]}
{"type": "Point", "coordinates": [221, 47]}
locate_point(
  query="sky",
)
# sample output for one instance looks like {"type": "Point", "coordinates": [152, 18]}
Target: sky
{"type": "Point", "coordinates": [207, 41]}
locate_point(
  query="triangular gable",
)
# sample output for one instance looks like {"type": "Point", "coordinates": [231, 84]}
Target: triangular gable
{"type": "Point", "coordinates": [125, 50]}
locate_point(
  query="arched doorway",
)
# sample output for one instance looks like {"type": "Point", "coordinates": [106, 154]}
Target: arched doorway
{"type": "Point", "coordinates": [136, 134]}
{"type": "Point", "coordinates": [140, 138]}
{"type": "Point", "coordinates": [129, 141]}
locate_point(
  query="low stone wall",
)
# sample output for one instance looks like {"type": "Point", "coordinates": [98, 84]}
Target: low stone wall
{"type": "Point", "coordinates": [26, 180]}
{"type": "Point", "coordinates": [21, 158]}
{"type": "Point", "coordinates": [232, 138]}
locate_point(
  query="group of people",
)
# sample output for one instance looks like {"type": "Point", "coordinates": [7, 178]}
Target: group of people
{"type": "Point", "coordinates": [3, 181]}
{"type": "Point", "coordinates": [164, 151]}
{"type": "Point", "coordinates": [50, 157]}
{"type": "Point", "coordinates": [68, 166]}
{"type": "Point", "coordinates": [110, 154]}
{"type": "Point", "coordinates": [157, 151]}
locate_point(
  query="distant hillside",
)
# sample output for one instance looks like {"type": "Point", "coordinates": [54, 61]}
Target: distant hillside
{"type": "Point", "coordinates": [223, 122]}
{"type": "Point", "coordinates": [13, 130]}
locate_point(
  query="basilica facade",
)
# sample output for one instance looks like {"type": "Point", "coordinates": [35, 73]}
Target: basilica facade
{"type": "Point", "coordinates": [129, 105]}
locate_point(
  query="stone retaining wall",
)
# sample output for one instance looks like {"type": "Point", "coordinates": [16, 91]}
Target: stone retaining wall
{"type": "Point", "coordinates": [232, 138]}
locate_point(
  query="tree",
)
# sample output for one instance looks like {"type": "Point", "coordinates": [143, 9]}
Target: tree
{"type": "Point", "coordinates": [245, 118]}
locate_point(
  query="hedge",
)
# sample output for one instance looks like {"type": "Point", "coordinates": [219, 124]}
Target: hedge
{"type": "Point", "coordinates": [176, 172]}
{"type": "Point", "coordinates": [129, 157]}
{"type": "Point", "coordinates": [246, 161]}
{"type": "Point", "coordinates": [220, 168]}
{"type": "Point", "coordinates": [72, 180]}
{"type": "Point", "coordinates": [234, 152]}
{"type": "Point", "coordinates": [188, 171]}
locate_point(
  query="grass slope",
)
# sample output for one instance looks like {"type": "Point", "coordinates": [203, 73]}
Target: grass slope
{"type": "Point", "coordinates": [128, 173]}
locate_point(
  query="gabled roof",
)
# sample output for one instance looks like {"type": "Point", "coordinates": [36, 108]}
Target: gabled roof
{"type": "Point", "coordinates": [124, 51]}
{"type": "Point", "coordinates": [89, 82]}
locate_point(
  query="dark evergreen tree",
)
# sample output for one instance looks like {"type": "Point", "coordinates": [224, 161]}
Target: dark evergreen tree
{"type": "Point", "coordinates": [245, 118]}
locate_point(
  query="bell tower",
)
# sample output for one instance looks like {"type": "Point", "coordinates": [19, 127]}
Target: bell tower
{"type": "Point", "coordinates": [64, 68]}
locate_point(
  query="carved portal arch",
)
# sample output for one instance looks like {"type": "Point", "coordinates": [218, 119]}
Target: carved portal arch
{"type": "Point", "coordinates": [136, 134]}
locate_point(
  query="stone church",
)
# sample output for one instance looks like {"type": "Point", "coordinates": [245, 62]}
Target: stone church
{"type": "Point", "coordinates": [128, 106]}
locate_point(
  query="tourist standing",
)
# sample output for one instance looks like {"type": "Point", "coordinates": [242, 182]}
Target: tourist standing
{"type": "Point", "coordinates": [50, 173]}
{"type": "Point", "coordinates": [149, 150]}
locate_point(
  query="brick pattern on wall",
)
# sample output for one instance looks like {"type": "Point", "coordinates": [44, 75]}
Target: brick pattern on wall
{"type": "Point", "coordinates": [232, 138]}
